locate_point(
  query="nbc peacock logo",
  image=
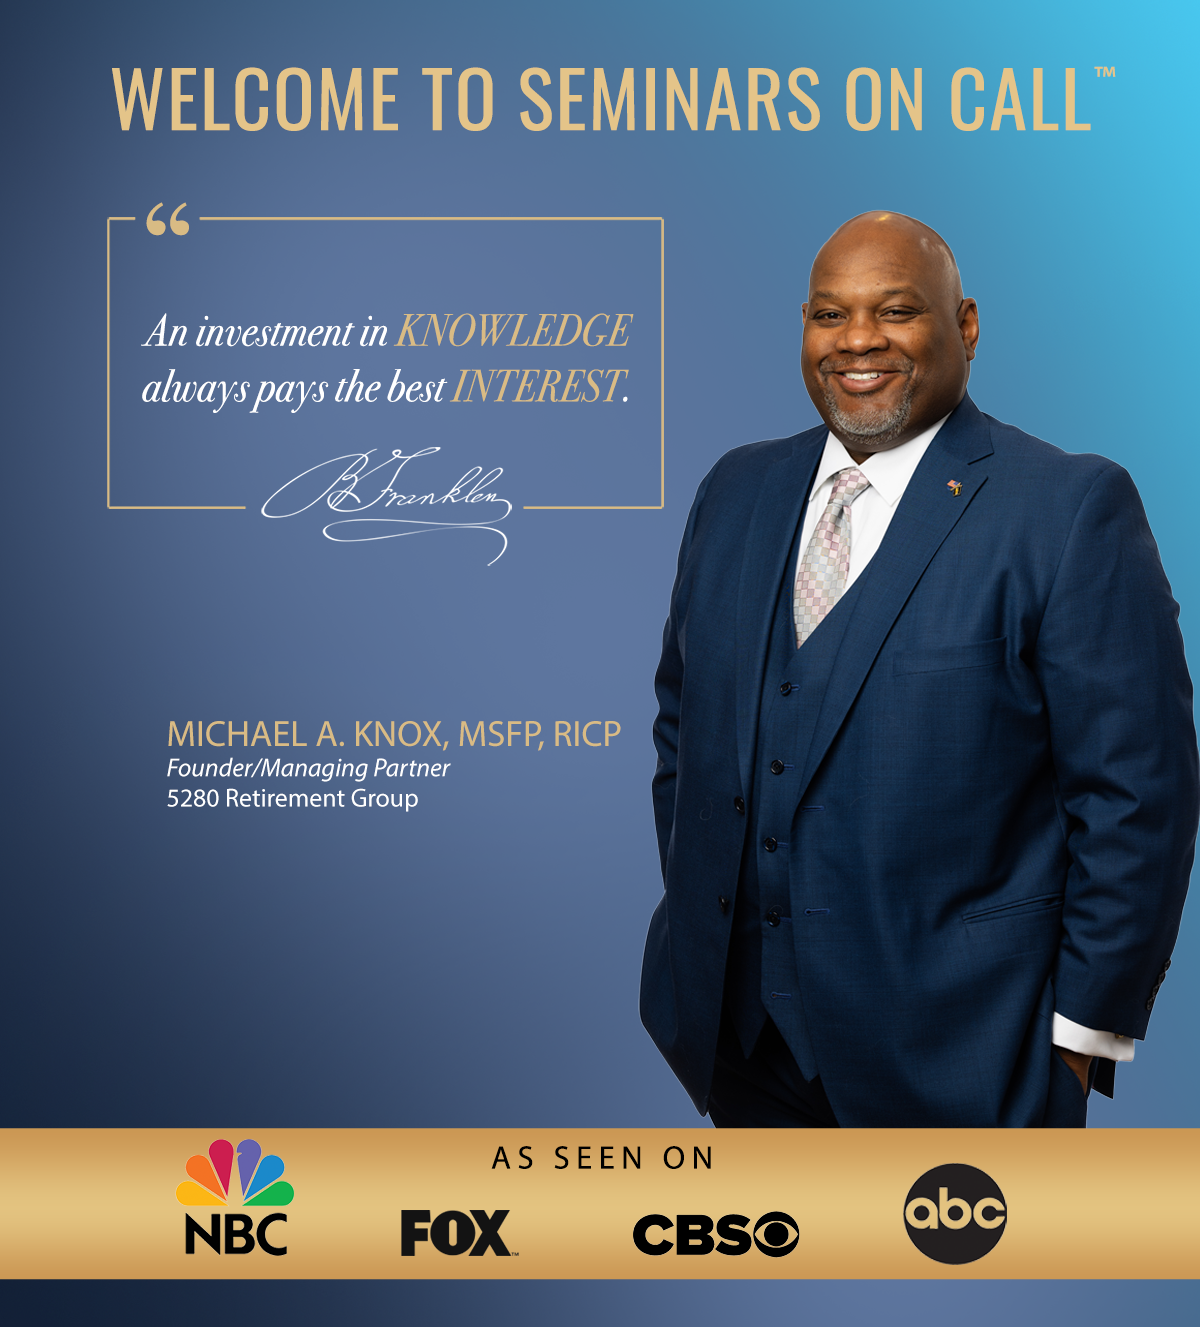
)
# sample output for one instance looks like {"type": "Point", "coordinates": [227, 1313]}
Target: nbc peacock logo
{"type": "Point", "coordinates": [209, 1186]}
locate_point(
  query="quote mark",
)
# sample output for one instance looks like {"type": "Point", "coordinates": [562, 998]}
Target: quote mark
{"type": "Point", "coordinates": [178, 226]}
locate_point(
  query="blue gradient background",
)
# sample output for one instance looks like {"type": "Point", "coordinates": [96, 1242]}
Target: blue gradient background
{"type": "Point", "coordinates": [477, 964]}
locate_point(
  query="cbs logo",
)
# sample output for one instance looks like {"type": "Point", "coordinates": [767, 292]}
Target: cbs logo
{"type": "Point", "coordinates": [955, 1214]}
{"type": "Point", "coordinates": [775, 1234]}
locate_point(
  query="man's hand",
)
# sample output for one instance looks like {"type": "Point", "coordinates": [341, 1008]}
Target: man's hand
{"type": "Point", "coordinates": [1078, 1064]}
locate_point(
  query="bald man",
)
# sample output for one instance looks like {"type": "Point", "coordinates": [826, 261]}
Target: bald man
{"type": "Point", "coordinates": [927, 784]}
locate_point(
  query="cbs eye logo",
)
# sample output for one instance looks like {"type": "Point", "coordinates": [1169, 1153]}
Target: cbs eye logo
{"type": "Point", "coordinates": [775, 1234]}
{"type": "Point", "coordinates": [955, 1214]}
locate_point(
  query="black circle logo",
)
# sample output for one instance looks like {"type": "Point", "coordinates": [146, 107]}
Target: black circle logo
{"type": "Point", "coordinates": [775, 1234]}
{"type": "Point", "coordinates": [954, 1214]}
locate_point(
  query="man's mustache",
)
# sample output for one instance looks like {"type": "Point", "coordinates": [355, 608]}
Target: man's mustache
{"type": "Point", "coordinates": [831, 365]}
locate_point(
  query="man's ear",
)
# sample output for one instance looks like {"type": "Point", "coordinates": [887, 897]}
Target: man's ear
{"type": "Point", "coordinates": [804, 313]}
{"type": "Point", "coordinates": [968, 326]}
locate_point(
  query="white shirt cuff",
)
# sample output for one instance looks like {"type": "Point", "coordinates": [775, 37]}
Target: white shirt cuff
{"type": "Point", "coordinates": [1087, 1041]}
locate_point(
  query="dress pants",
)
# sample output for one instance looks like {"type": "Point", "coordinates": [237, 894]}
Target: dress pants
{"type": "Point", "coordinates": [766, 1090]}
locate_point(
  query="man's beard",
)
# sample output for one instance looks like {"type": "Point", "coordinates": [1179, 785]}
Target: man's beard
{"type": "Point", "coordinates": [871, 424]}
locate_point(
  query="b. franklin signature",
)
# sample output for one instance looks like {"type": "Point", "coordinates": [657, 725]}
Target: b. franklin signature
{"type": "Point", "coordinates": [358, 486]}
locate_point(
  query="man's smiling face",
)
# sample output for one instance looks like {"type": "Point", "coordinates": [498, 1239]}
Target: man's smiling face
{"type": "Point", "coordinates": [887, 335]}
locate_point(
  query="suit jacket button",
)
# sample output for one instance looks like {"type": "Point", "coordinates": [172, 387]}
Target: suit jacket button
{"type": "Point", "coordinates": [723, 903]}
{"type": "Point", "coordinates": [785, 688]}
{"type": "Point", "coordinates": [773, 917]}
{"type": "Point", "coordinates": [770, 844]}
{"type": "Point", "coordinates": [777, 767]}
{"type": "Point", "coordinates": [739, 805]}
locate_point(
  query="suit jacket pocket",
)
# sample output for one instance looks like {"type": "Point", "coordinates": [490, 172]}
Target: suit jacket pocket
{"type": "Point", "coordinates": [1019, 907]}
{"type": "Point", "coordinates": [944, 658]}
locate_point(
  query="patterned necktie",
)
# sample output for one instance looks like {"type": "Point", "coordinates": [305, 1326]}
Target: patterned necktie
{"type": "Point", "coordinates": [825, 565]}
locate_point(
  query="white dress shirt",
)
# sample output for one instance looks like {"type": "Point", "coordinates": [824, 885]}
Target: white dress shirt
{"type": "Point", "coordinates": [870, 516]}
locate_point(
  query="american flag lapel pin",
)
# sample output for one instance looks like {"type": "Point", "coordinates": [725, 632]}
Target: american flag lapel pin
{"type": "Point", "coordinates": [955, 486]}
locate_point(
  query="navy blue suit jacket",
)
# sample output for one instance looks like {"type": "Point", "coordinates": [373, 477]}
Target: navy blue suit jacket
{"type": "Point", "coordinates": [1004, 756]}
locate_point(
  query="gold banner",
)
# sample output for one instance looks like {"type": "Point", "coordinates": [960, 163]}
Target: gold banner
{"type": "Point", "coordinates": [598, 1204]}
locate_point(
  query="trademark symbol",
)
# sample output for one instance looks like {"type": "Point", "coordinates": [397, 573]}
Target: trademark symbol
{"type": "Point", "coordinates": [1105, 71]}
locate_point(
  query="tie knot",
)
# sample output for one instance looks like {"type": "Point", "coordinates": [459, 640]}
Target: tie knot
{"type": "Point", "coordinates": [847, 485]}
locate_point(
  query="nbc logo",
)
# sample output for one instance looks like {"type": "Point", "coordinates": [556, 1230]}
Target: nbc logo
{"type": "Point", "coordinates": [209, 1186]}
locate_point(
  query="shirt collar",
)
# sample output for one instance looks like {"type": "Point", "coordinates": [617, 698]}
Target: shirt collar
{"type": "Point", "coordinates": [889, 471]}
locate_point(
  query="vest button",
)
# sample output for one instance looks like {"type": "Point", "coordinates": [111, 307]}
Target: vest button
{"type": "Point", "coordinates": [785, 689]}
{"type": "Point", "coordinates": [723, 903]}
{"type": "Point", "coordinates": [773, 917]}
{"type": "Point", "coordinates": [770, 844]}
{"type": "Point", "coordinates": [739, 805]}
{"type": "Point", "coordinates": [777, 767]}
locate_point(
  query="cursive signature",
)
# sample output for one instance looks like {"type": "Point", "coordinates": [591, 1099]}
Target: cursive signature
{"type": "Point", "coordinates": [360, 485]}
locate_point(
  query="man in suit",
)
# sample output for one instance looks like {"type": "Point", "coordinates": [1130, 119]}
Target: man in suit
{"type": "Point", "coordinates": [927, 784]}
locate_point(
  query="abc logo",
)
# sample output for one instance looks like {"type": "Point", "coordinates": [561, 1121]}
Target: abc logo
{"type": "Point", "coordinates": [955, 1214]}
{"type": "Point", "coordinates": [774, 1234]}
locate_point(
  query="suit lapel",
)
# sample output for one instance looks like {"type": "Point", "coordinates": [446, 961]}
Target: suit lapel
{"type": "Point", "coordinates": [781, 500]}
{"type": "Point", "coordinates": [926, 514]}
